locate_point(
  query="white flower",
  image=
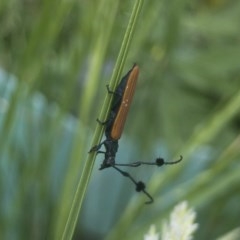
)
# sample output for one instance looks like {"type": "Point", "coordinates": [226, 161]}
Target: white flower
{"type": "Point", "coordinates": [181, 225]}
{"type": "Point", "coordinates": [152, 234]}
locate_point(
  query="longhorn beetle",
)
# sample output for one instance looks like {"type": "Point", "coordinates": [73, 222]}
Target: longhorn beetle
{"type": "Point", "coordinates": [122, 98]}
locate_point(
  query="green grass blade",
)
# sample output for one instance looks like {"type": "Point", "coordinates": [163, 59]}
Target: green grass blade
{"type": "Point", "coordinates": [84, 180]}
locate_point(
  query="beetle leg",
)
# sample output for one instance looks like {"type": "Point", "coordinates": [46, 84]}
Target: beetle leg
{"type": "Point", "coordinates": [140, 186]}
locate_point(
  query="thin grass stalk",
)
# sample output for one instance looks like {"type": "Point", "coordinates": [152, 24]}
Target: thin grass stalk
{"type": "Point", "coordinates": [99, 48]}
{"type": "Point", "coordinates": [83, 183]}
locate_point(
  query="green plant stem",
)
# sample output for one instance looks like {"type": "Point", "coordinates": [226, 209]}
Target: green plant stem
{"type": "Point", "coordinates": [84, 180]}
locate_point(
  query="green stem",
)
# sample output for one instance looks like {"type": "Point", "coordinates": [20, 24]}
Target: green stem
{"type": "Point", "coordinates": [84, 180]}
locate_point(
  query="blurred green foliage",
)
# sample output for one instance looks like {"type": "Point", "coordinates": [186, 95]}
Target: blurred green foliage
{"type": "Point", "coordinates": [56, 58]}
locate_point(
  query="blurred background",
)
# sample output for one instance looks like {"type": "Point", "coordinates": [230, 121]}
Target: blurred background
{"type": "Point", "coordinates": [56, 58]}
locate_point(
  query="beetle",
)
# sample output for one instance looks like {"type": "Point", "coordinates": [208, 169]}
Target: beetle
{"type": "Point", "coordinates": [114, 125]}
{"type": "Point", "coordinates": [122, 98]}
